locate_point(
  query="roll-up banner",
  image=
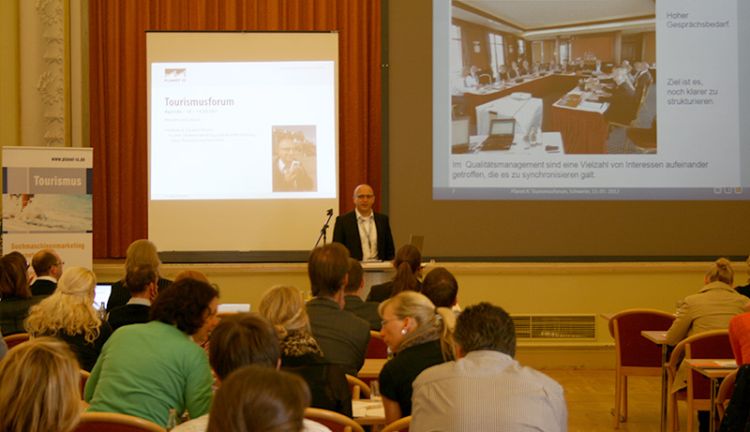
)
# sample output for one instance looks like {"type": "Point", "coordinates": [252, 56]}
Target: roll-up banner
{"type": "Point", "coordinates": [47, 202]}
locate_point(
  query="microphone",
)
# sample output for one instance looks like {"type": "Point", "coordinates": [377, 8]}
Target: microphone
{"type": "Point", "coordinates": [329, 212]}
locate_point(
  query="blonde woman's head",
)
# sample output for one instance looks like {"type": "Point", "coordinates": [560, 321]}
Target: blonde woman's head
{"type": "Point", "coordinates": [39, 391]}
{"type": "Point", "coordinates": [409, 314]}
{"type": "Point", "coordinates": [69, 310]}
{"type": "Point", "coordinates": [721, 271]}
{"type": "Point", "coordinates": [284, 307]}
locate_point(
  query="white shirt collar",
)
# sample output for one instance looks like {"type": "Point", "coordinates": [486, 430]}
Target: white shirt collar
{"type": "Point", "coordinates": [361, 216]}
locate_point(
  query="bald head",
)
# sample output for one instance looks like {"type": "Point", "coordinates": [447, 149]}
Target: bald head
{"type": "Point", "coordinates": [364, 198]}
{"type": "Point", "coordinates": [47, 262]}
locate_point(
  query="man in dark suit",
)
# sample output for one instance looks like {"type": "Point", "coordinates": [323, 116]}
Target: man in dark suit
{"type": "Point", "coordinates": [48, 268]}
{"type": "Point", "coordinates": [368, 311]}
{"type": "Point", "coordinates": [142, 283]}
{"type": "Point", "coordinates": [342, 336]}
{"type": "Point", "coordinates": [365, 233]}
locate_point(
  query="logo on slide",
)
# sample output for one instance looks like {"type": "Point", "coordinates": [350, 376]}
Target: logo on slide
{"type": "Point", "coordinates": [175, 75]}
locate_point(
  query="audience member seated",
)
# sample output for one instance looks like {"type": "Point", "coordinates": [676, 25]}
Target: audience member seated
{"type": "Point", "coordinates": [408, 264]}
{"type": "Point", "coordinates": [353, 292]}
{"type": "Point", "coordinates": [241, 340]}
{"type": "Point", "coordinates": [15, 295]}
{"type": "Point", "coordinates": [745, 289]}
{"type": "Point", "coordinates": [441, 287]}
{"type": "Point", "coordinates": [711, 308]}
{"type": "Point", "coordinates": [486, 389]}
{"type": "Point", "coordinates": [471, 78]}
{"type": "Point", "coordinates": [48, 268]}
{"type": "Point", "coordinates": [420, 336]}
{"type": "Point", "coordinates": [642, 79]}
{"type": "Point", "coordinates": [514, 72]}
{"type": "Point", "coordinates": [140, 253]}
{"type": "Point", "coordinates": [739, 336]}
{"type": "Point", "coordinates": [502, 72]}
{"type": "Point", "coordinates": [39, 393]}
{"type": "Point", "coordinates": [255, 398]}
{"type": "Point", "coordinates": [68, 314]}
{"type": "Point", "coordinates": [623, 104]}
{"type": "Point", "coordinates": [147, 369]}
{"type": "Point", "coordinates": [524, 69]}
{"type": "Point", "coordinates": [284, 307]}
{"type": "Point", "coordinates": [141, 281]}
{"type": "Point", "coordinates": [342, 336]}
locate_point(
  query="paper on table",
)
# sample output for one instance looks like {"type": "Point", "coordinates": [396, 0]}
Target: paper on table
{"type": "Point", "coordinates": [367, 408]}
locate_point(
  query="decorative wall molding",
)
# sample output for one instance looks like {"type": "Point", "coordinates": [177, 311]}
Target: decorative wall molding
{"type": "Point", "coordinates": [51, 80]}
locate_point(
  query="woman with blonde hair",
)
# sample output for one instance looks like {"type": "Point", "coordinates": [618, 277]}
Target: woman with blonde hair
{"type": "Point", "coordinates": [40, 388]}
{"type": "Point", "coordinates": [712, 307]}
{"type": "Point", "coordinates": [284, 307]}
{"type": "Point", "coordinates": [140, 253]}
{"type": "Point", "coordinates": [408, 264]}
{"type": "Point", "coordinates": [68, 314]}
{"type": "Point", "coordinates": [420, 336]}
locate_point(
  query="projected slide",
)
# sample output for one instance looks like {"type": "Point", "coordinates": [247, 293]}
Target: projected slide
{"type": "Point", "coordinates": [243, 130]}
{"type": "Point", "coordinates": [630, 100]}
{"type": "Point", "coordinates": [243, 141]}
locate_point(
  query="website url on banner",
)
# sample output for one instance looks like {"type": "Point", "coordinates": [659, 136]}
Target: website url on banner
{"type": "Point", "coordinates": [42, 245]}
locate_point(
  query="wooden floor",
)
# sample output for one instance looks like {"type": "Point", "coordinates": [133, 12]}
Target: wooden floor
{"type": "Point", "coordinates": [590, 397]}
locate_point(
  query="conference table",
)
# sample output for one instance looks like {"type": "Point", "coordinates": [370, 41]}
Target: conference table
{"type": "Point", "coordinates": [581, 122]}
{"type": "Point", "coordinates": [579, 119]}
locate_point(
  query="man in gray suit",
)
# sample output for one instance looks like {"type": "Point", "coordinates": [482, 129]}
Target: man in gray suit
{"type": "Point", "coordinates": [342, 336]}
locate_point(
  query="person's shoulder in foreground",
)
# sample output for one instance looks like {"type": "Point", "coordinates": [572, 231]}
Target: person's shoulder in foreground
{"type": "Point", "coordinates": [486, 388]}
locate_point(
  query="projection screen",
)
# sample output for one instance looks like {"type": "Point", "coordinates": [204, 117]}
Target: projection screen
{"type": "Point", "coordinates": [243, 140]}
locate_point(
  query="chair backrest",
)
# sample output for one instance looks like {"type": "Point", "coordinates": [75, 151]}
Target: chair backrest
{"type": "Point", "coordinates": [706, 345]}
{"type": "Point", "coordinates": [112, 422]}
{"type": "Point", "coordinates": [631, 347]}
{"type": "Point", "coordinates": [358, 388]}
{"type": "Point", "coordinates": [725, 393]}
{"type": "Point", "coordinates": [400, 425]}
{"type": "Point", "coordinates": [84, 378]}
{"type": "Point", "coordinates": [376, 348]}
{"type": "Point", "coordinates": [332, 420]}
{"type": "Point", "coordinates": [15, 339]}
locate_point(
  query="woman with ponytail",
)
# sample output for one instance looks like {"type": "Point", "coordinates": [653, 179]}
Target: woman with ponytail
{"type": "Point", "coordinates": [711, 308]}
{"type": "Point", "coordinates": [284, 307]}
{"type": "Point", "coordinates": [408, 264]}
{"type": "Point", "coordinates": [420, 336]}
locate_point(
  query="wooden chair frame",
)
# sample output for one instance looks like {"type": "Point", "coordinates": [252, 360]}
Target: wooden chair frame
{"type": "Point", "coordinates": [693, 404]}
{"type": "Point", "coordinates": [134, 424]}
{"type": "Point", "coordinates": [358, 388]}
{"type": "Point", "coordinates": [398, 425]}
{"type": "Point", "coordinates": [15, 339]}
{"type": "Point", "coordinates": [328, 417]}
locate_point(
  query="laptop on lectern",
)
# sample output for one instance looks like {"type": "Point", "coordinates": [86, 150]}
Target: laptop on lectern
{"type": "Point", "coordinates": [501, 135]}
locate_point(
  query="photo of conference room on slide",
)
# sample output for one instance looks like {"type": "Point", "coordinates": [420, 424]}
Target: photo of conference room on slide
{"type": "Point", "coordinates": [553, 77]}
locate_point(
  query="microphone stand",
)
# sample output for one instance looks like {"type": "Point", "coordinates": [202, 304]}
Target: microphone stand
{"type": "Point", "coordinates": [324, 229]}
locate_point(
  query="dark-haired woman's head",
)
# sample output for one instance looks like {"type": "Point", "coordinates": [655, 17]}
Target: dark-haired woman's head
{"type": "Point", "coordinates": [408, 263]}
{"type": "Point", "coordinates": [188, 304]}
{"type": "Point", "coordinates": [256, 398]}
{"type": "Point", "coordinates": [14, 281]}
